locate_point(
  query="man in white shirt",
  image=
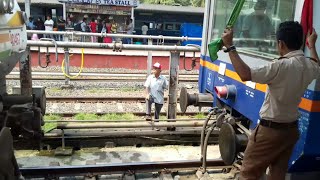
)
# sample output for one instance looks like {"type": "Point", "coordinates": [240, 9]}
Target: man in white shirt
{"type": "Point", "coordinates": [155, 86]}
{"type": "Point", "coordinates": [144, 30]}
{"type": "Point", "coordinates": [83, 29]}
{"type": "Point", "coordinates": [48, 26]}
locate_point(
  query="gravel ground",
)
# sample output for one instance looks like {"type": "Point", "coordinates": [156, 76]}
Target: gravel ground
{"type": "Point", "coordinates": [108, 108]}
{"type": "Point", "coordinates": [104, 70]}
{"type": "Point", "coordinates": [101, 88]}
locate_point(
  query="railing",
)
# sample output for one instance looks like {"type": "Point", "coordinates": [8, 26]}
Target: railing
{"type": "Point", "coordinates": [118, 46]}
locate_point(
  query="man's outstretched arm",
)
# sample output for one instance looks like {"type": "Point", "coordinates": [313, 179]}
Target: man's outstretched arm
{"type": "Point", "coordinates": [242, 69]}
{"type": "Point", "coordinates": [312, 45]}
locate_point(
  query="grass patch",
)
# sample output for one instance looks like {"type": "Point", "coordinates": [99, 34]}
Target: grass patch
{"type": "Point", "coordinates": [97, 90]}
{"type": "Point", "coordinates": [129, 89]}
{"type": "Point", "coordinates": [84, 116]}
{"type": "Point", "coordinates": [52, 117]}
{"type": "Point", "coordinates": [113, 116]}
{"type": "Point", "coordinates": [54, 89]}
{"type": "Point", "coordinates": [104, 90]}
{"type": "Point", "coordinates": [48, 127]}
{"type": "Point", "coordinates": [106, 117]}
{"type": "Point", "coordinates": [200, 116]}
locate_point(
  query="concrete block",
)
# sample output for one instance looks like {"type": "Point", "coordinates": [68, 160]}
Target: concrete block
{"type": "Point", "coordinates": [63, 151]}
{"type": "Point", "coordinates": [165, 176]}
{"type": "Point", "coordinates": [129, 177]}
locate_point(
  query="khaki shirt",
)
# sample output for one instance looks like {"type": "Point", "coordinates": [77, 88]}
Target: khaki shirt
{"type": "Point", "coordinates": [287, 80]}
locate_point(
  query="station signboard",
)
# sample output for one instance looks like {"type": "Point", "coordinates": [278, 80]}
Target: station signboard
{"type": "Point", "coordinates": [131, 3]}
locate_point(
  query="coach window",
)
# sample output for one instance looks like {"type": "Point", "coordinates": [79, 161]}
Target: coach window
{"type": "Point", "coordinates": [169, 27]}
{"type": "Point", "coordinates": [178, 27]}
{"type": "Point", "coordinates": [255, 29]}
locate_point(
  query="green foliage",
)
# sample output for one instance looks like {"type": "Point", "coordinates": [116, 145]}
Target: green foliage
{"type": "Point", "coordinates": [48, 127]}
{"type": "Point", "coordinates": [52, 117]}
{"type": "Point", "coordinates": [114, 116]}
{"type": "Point", "coordinates": [85, 116]}
{"type": "Point", "coordinates": [200, 116]}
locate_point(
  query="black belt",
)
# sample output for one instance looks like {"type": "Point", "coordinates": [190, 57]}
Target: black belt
{"type": "Point", "coordinates": [276, 125]}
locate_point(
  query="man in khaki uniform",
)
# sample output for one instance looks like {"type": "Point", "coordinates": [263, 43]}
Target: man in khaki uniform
{"type": "Point", "coordinates": [272, 141]}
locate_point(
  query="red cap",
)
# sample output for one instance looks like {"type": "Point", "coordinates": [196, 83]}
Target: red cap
{"type": "Point", "coordinates": [157, 65]}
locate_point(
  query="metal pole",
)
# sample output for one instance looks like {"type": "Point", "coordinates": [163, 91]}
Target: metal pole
{"type": "Point", "coordinates": [25, 74]}
{"type": "Point", "coordinates": [3, 85]}
{"type": "Point", "coordinates": [113, 46]}
{"type": "Point", "coordinates": [66, 66]}
{"type": "Point", "coordinates": [75, 33]}
{"type": "Point", "coordinates": [63, 141]}
{"type": "Point", "coordinates": [149, 61]}
{"type": "Point", "coordinates": [27, 7]}
{"type": "Point", "coordinates": [64, 11]}
{"type": "Point", "coordinates": [173, 84]}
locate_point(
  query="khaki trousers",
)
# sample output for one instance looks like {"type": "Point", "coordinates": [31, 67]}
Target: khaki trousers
{"type": "Point", "coordinates": [268, 147]}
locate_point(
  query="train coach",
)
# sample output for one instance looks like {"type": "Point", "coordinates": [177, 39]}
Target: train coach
{"type": "Point", "coordinates": [239, 102]}
{"type": "Point", "coordinates": [166, 20]}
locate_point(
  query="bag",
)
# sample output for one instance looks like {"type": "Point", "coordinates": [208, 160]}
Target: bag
{"type": "Point", "coordinates": [34, 37]}
{"type": "Point", "coordinates": [77, 27]}
{"type": "Point", "coordinates": [88, 29]}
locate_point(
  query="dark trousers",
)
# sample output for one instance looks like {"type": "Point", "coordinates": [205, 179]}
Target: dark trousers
{"type": "Point", "coordinates": [157, 108]}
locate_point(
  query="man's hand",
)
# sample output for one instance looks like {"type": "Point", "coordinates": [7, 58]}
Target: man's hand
{"type": "Point", "coordinates": [227, 37]}
{"type": "Point", "coordinates": [312, 38]}
{"type": "Point", "coordinates": [147, 97]}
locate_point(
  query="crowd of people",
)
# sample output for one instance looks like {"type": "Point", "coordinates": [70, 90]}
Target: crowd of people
{"type": "Point", "coordinates": [109, 26]}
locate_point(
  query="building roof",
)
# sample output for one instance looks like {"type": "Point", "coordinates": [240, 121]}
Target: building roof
{"type": "Point", "coordinates": [41, 1]}
{"type": "Point", "coordinates": [166, 8]}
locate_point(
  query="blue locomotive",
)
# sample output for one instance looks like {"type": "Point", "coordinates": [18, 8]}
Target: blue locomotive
{"type": "Point", "coordinates": [239, 102]}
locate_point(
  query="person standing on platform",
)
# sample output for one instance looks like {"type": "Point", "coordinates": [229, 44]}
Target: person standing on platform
{"type": "Point", "coordinates": [100, 27]}
{"type": "Point", "coordinates": [39, 25]}
{"type": "Point", "coordinates": [107, 28]}
{"type": "Point", "coordinates": [48, 24]}
{"type": "Point", "coordinates": [129, 31]}
{"type": "Point", "coordinates": [155, 86]}
{"type": "Point", "coordinates": [61, 27]}
{"type": "Point", "coordinates": [114, 27]}
{"type": "Point", "coordinates": [144, 31]}
{"type": "Point", "coordinates": [93, 27]}
{"type": "Point", "coordinates": [83, 29]}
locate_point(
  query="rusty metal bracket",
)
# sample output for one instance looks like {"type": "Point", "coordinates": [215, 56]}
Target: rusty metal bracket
{"type": "Point", "coordinates": [194, 59]}
{"type": "Point", "coordinates": [55, 45]}
{"type": "Point", "coordinates": [47, 56]}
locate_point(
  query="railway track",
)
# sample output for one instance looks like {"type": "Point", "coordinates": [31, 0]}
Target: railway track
{"type": "Point", "coordinates": [94, 99]}
{"type": "Point", "coordinates": [72, 114]}
{"type": "Point", "coordinates": [127, 171]}
{"type": "Point", "coordinates": [123, 77]}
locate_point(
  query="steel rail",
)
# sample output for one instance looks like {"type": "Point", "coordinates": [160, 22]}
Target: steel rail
{"type": "Point", "coordinates": [76, 33]}
{"type": "Point", "coordinates": [114, 46]}
{"type": "Point", "coordinates": [128, 125]}
{"type": "Point", "coordinates": [82, 78]}
{"type": "Point", "coordinates": [102, 74]}
{"type": "Point", "coordinates": [107, 121]}
{"type": "Point", "coordinates": [96, 99]}
{"type": "Point", "coordinates": [88, 133]}
{"type": "Point", "coordinates": [71, 114]}
{"type": "Point", "coordinates": [58, 171]}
